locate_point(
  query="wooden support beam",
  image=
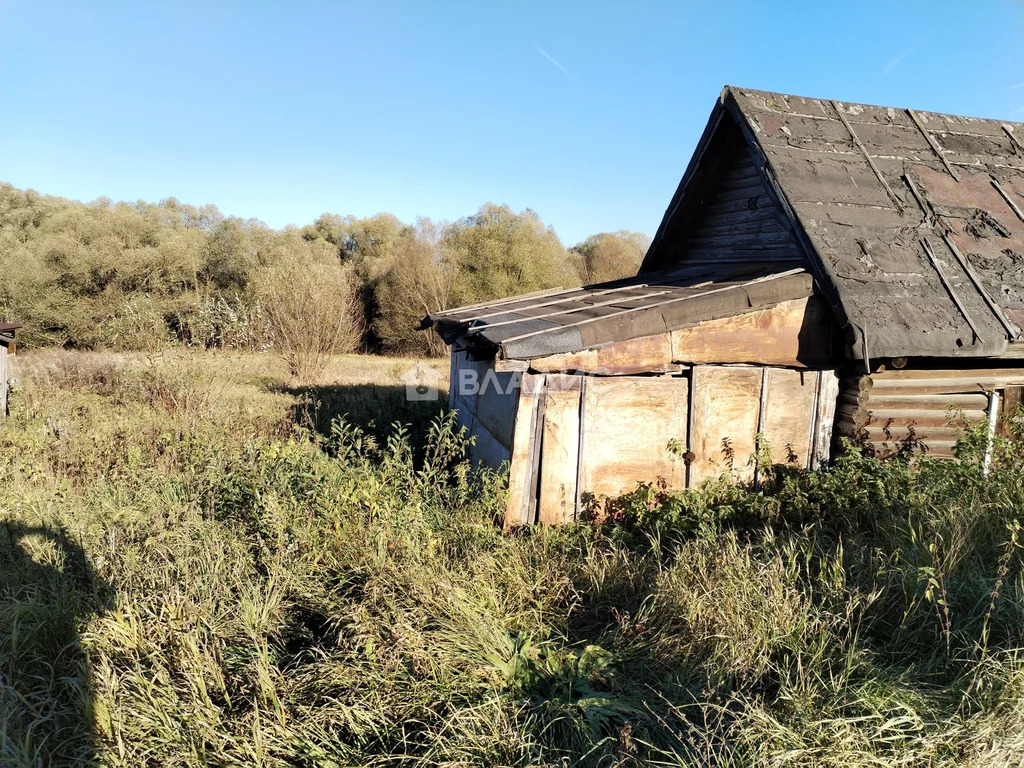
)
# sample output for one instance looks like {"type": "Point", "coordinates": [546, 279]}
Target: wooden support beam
{"type": "Point", "coordinates": [647, 354]}
{"type": "Point", "coordinates": [864, 151]}
{"type": "Point", "coordinates": [1011, 331]}
{"type": "Point", "coordinates": [933, 143]}
{"type": "Point", "coordinates": [1007, 199]}
{"type": "Point", "coordinates": [949, 288]}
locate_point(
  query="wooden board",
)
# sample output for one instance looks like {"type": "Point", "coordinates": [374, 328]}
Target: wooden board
{"type": "Point", "coordinates": [904, 417]}
{"type": "Point", "coordinates": [1002, 374]}
{"type": "Point", "coordinates": [795, 333]}
{"type": "Point", "coordinates": [825, 416]}
{"type": "Point", "coordinates": [559, 455]}
{"type": "Point", "coordinates": [485, 403]}
{"type": "Point", "coordinates": [789, 413]}
{"type": "Point", "coordinates": [894, 433]}
{"type": "Point", "coordinates": [487, 450]}
{"type": "Point", "coordinates": [648, 354]}
{"type": "Point", "coordinates": [1011, 403]}
{"type": "Point", "coordinates": [496, 404]}
{"type": "Point", "coordinates": [521, 484]}
{"type": "Point", "coordinates": [467, 375]}
{"type": "Point", "coordinates": [463, 411]}
{"type": "Point", "coordinates": [627, 425]}
{"type": "Point", "coordinates": [453, 372]}
{"type": "Point", "coordinates": [726, 404]}
{"type": "Point", "coordinates": [968, 402]}
{"type": "Point", "coordinates": [948, 381]}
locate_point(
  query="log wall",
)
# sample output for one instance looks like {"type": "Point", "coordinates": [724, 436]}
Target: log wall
{"type": "Point", "coordinates": [921, 411]}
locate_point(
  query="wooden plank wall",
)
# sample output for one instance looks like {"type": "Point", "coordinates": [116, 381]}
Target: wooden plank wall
{"type": "Point", "coordinates": [793, 411]}
{"type": "Point", "coordinates": [726, 406]}
{"type": "Point", "coordinates": [918, 410]}
{"type": "Point", "coordinates": [559, 450]}
{"type": "Point", "coordinates": [789, 415]}
{"type": "Point", "coordinates": [522, 481]}
{"type": "Point", "coordinates": [579, 440]}
{"type": "Point", "coordinates": [740, 222]}
{"type": "Point", "coordinates": [627, 425]}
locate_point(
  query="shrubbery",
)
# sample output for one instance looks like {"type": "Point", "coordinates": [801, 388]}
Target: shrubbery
{"type": "Point", "coordinates": [139, 276]}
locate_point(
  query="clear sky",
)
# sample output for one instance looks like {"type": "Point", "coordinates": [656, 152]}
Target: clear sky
{"type": "Point", "coordinates": [586, 112]}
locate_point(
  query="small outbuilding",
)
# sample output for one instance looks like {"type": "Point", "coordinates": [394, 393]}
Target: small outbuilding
{"type": "Point", "coordinates": [6, 348]}
{"type": "Point", "coordinates": [823, 269]}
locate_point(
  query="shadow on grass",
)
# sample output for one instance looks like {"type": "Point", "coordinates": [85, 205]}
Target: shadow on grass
{"type": "Point", "coordinates": [374, 408]}
{"type": "Point", "coordinates": [47, 589]}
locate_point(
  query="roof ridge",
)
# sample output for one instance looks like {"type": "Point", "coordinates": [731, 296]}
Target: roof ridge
{"type": "Point", "coordinates": [734, 89]}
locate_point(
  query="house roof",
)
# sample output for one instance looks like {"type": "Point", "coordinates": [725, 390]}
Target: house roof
{"type": "Point", "coordinates": [912, 222]}
{"type": "Point", "coordinates": [551, 322]}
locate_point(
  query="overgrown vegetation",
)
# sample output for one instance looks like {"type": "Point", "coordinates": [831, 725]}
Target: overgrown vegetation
{"type": "Point", "coordinates": [138, 276]}
{"type": "Point", "coordinates": [190, 577]}
{"type": "Point", "coordinates": [312, 311]}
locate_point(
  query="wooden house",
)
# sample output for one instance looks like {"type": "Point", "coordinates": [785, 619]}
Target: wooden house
{"type": "Point", "coordinates": [823, 268]}
{"type": "Point", "coordinates": [6, 347]}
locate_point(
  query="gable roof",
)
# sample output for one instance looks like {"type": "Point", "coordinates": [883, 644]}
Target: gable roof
{"type": "Point", "coordinates": [911, 222]}
{"type": "Point", "coordinates": [552, 322]}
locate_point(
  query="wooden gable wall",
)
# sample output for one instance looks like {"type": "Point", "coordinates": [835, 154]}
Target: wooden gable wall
{"type": "Point", "coordinates": [738, 221]}
{"type": "Point", "coordinates": [723, 211]}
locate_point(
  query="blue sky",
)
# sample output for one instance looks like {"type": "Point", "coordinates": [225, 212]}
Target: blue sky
{"type": "Point", "coordinates": [586, 112]}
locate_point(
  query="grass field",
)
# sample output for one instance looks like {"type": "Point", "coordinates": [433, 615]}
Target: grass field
{"type": "Point", "coordinates": [201, 566]}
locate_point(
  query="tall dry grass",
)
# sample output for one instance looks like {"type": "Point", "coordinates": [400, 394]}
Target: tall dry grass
{"type": "Point", "coordinates": [238, 590]}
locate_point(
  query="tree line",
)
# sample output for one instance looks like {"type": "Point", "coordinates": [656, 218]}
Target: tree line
{"type": "Point", "coordinates": [129, 276]}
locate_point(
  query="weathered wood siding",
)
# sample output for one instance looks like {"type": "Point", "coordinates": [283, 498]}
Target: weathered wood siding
{"type": "Point", "coordinates": [628, 423]}
{"type": "Point", "coordinates": [648, 354]}
{"type": "Point", "coordinates": [792, 410]}
{"type": "Point", "coordinates": [522, 478]}
{"type": "Point", "coordinates": [559, 450]}
{"type": "Point", "coordinates": [923, 411]}
{"type": "Point", "coordinates": [793, 333]}
{"type": "Point", "coordinates": [738, 221]}
{"type": "Point", "coordinates": [486, 402]}
{"type": "Point", "coordinates": [580, 440]}
{"type": "Point", "coordinates": [726, 407]}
